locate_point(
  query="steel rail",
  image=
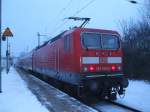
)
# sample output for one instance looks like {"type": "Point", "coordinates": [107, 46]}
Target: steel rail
{"type": "Point", "coordinates": [123, 106]}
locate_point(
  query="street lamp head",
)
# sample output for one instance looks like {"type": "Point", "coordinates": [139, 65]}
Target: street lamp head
{"type": "Point", "coordinates": [133, 2]}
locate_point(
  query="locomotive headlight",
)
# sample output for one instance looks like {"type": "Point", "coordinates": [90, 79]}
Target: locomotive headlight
{"type": "Point", "coordinates": [119, 67]}
{"type": "Point", "coordinates": [91, 68]}
{"type": "Point", "coordinates": [85, 69]}
{"type": "Point", "coordinates": [113, 68]}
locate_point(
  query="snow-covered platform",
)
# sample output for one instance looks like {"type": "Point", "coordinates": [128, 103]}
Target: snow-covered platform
{"type": "Point", "coordinates": [16, 97]}
{"type": "Point", "coordinates": [40, 97]}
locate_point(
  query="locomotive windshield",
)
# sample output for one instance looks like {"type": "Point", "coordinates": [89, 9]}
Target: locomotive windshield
{"type": "Point", "coordinates": [100, 41]}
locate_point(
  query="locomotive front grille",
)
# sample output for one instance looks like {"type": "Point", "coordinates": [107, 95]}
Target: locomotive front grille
{"type": "Point", "coordinates": [103, 75]}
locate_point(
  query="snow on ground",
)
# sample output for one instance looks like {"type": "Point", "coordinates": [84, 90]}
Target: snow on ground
{"type": "Point", "coordinates": [16, 97]}
{"type": "Point", "coordinates": [54, 99]}
{"type": "Point", "coordinates": [137, 95]}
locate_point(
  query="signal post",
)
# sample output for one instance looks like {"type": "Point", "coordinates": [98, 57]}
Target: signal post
{"type": "Point", "coordinates": [7, 33]}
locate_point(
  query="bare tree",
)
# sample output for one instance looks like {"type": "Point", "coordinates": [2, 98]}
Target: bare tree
{"type": "Point", "coordinates": [136, 44]}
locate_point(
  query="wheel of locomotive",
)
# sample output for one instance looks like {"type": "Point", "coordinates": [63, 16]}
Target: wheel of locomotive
{"type": "Point", "coordinates": [112, 96]}
{"type": "Point", "coordinates": [103, 94]}
{"type": "Point", "coordinates": [80, 91]}
{"type": "Point", "coordinates": [45, 78]}
{"type": "Point", "coordinates": [107, 93]}
{"type": "Point", "coordinates": [57, 84]}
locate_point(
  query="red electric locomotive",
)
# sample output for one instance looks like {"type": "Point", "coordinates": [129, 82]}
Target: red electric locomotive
{"type": "Point", "coordinates": [90, 59]}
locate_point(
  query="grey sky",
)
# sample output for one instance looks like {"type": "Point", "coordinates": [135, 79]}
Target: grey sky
{"type": "Point", "coordinates": [27, 17]}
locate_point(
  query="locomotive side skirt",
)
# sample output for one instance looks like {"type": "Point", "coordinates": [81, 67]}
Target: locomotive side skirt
{"type": "Point", "coordinates": [65, 76]}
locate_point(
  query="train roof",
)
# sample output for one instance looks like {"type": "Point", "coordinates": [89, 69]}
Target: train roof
{"type": "Point", "coordinates": [95, 30]}
{"type": "Point", "coordinates": [78, 29]}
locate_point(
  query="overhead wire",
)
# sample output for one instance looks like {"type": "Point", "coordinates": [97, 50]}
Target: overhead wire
{"type": "Point", "coordinates": [60, 26]}
{"type": "Point", "coordinates": [64, 8]}
{"type": "Point", "coordinates": [84, 7]}
{"type": "Point", "coordinates": [77, 12]}
{"type": "Point", "coordinates": [60, 12]}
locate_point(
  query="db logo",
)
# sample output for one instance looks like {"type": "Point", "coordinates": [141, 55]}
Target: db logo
{"type": "Point", "coordinates": [103, 60]}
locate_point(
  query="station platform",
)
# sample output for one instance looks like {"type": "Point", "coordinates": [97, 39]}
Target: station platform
{"type": "Point", "coordinates": [23, 92]}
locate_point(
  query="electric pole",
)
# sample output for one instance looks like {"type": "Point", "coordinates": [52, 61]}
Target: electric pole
{"type": "Point", "coordinates": [0, 46]}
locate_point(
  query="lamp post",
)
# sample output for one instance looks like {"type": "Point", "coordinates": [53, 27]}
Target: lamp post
{"type": "Point", "coordinates": [133, 1]}
{"type": "Point", "coordinates": [7, 58]}
{"type": "Point", "coordinates": [0, 46]}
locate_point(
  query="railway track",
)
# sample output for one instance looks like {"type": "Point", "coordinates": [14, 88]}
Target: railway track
{"type": "Point", "coordinates": [124, 106]}
{"type": "Point", "coordinates": [107, 105]}
{"type": "Point", "coordinates": [92, 100]}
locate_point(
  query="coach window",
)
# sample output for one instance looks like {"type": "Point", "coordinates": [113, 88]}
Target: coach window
{"type": "Point", "coordinates": [67, 44]}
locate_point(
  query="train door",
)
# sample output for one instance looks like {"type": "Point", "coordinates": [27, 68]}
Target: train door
{"type": "Point", "coordinates": [57, 56]}
{"type": "Point", "coordinates": [68, 53]}
{"type": "Point", "coordinates": [33, 61]}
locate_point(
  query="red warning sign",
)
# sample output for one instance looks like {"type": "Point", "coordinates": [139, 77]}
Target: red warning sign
{"type": "Point", "coordinates": [7, 33]}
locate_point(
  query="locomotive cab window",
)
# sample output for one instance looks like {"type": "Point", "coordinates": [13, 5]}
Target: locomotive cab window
{"type": "Point", "coordinates": [110, 41]}
{"type": "Point", "coordinates": [91, 40]}
{"type": "Point", "coordinates": [67, 43]}
{"type": "Point", "coordinates": [99, 41]}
